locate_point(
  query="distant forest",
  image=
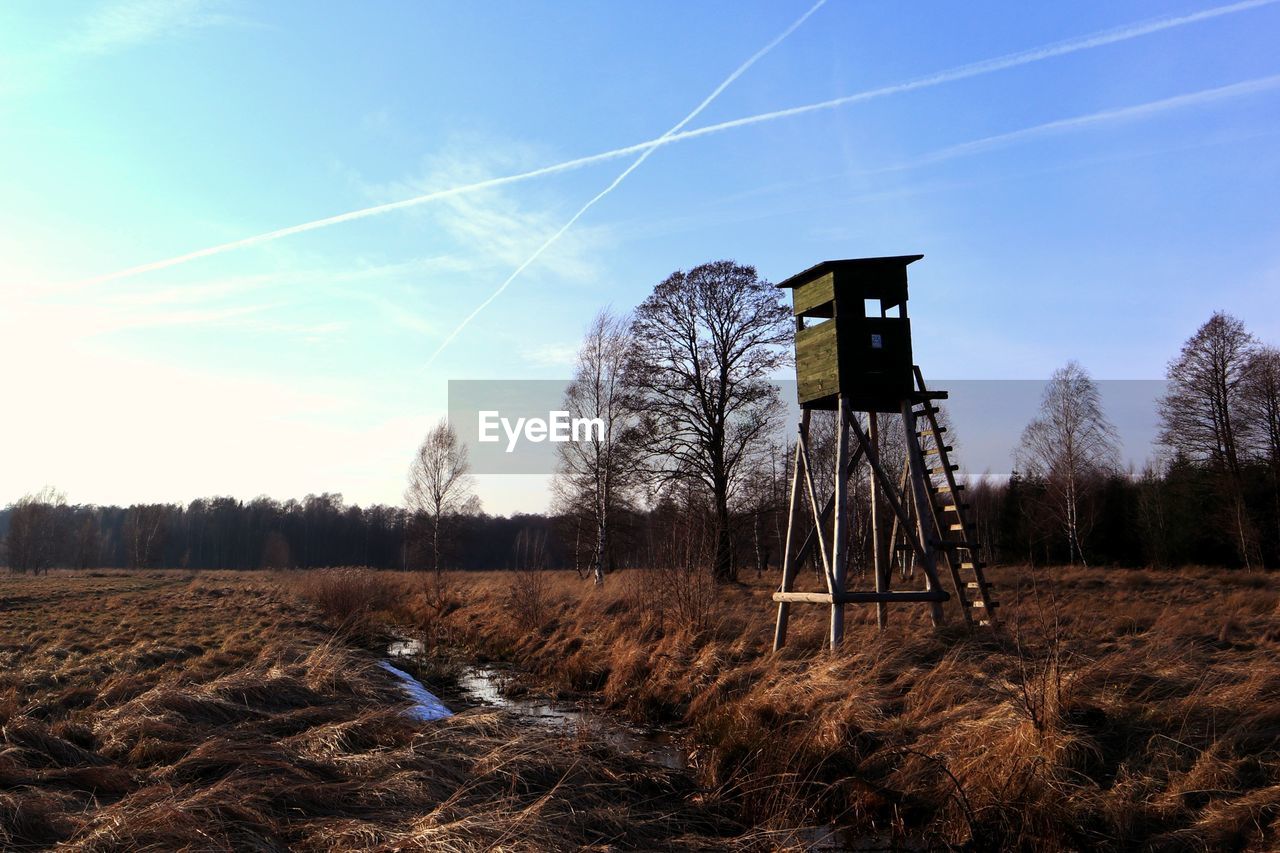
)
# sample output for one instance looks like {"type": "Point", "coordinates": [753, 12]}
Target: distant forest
{"type": "Point", "coordinates": [1165, 518]}
{"type": "Point", "coordinates": [319, 530]}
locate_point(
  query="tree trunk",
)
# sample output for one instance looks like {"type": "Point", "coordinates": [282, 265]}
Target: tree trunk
{"type": "Point", "coordinates": [723, 567]}
{"type": "Point", "coordinates": [435, 544]}
{"type": "Point", "coordinates": [602, 540]}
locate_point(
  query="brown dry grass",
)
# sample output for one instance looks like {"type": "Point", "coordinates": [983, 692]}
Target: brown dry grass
{"type": "Point", "coordinates": [1120, 710]}
{"type": "Point", "coordinates": [170, 711]}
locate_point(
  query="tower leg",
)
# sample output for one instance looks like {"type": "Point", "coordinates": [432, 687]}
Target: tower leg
{"type": "Point", "coordinates": [877, 562]}
{"type": "Point", "coordinates": [907, 567]}
{"type": "Point", "coordinates": [839, 532]}
{"type": "Point", "coordinates": [789, 561]}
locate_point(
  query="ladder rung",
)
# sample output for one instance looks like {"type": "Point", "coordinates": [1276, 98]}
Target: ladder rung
{"type": "Point", "coordinates": [986, 604]}
{"type": "Point", "coordinates": [928, 432]}
{"type": "Point", "coordinates": [954, 507]}
{"type": "Point", "coordinates": [944, 469]}
{"type": "Point", "coordinates": [975, 566]}
{"type": "Point", "coordinates": [934, 451]}
{"type": "Point", "coordinates": [976, 585]}
{"type": "Point", "coordinates": [947, 488]}
{"type": "Point", "coordinates": [927, 410]}
{"type": "Point", "coordinates": [958, 527]}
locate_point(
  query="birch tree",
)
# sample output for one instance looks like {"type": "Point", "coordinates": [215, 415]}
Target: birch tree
{"type": "Point", "coordinates": [144, 531]}
{"type": "Point", "coordinates": [1069, 444]}
{"type": "Point", "coordinates": [598, 476]}
{"type": "Point", "coordinates": [440, 484]}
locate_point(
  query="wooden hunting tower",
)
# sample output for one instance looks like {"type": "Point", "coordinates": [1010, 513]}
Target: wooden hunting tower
{"type": "Point", "coordinates": [860, 345]}
{"type": "Point", "coordinates": [853, 356]}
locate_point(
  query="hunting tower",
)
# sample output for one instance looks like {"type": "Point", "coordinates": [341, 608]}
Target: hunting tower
{"type": "Point", "coordinates": [860, 346]}
{"type": "Point", "coordinates": [853, 356]}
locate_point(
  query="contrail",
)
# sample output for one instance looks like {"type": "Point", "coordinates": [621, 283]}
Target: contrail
{"type": "Point", "coordinates": [644, 155]}
{"type": "Point", "coordinates": [1191, 99]}
{"type": "Point", "coordinates": [988, 66]}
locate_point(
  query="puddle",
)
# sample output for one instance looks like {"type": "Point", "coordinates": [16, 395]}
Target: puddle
{"type": "Point", "coordinates": [484, 685]}
{"type": "Point", "coordinates": [426, 706]}
{"type": "Point", "coordinates": [405, 649]}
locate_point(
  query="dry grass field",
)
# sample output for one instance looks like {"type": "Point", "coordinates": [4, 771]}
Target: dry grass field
{"type": "Point", "coordinates": [1116, 710]}
{"type": "Point", "coordinates": [172, 711]}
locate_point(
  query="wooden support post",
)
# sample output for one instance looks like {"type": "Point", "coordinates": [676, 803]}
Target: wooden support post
{"type": "Point", "coordinates": [839, 533]}
{"type": "Point", "coordinates": [807, 464]}
{"type": "Point", "coordinates": [789, 565]}
{"type": "Point", "coordinates": [807, 545]}
{"type": "Point", "coordinates": [861, 597]}
{"type": "Point", "coordinates": [893, 533]}
{"type": "Point", "coordinates": [882, 608]}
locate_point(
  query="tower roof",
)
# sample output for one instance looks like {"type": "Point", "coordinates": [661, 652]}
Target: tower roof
{"type": "Point", "coordinates": [854, 266]}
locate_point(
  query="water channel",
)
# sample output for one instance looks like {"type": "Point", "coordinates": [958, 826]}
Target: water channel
{"type": "Point", "coordinates": [485, 685]}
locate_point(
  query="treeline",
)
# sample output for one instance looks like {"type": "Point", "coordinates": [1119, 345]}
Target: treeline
{"type": "Point", "coordinates": [1169, 515]}
{"type": "Point", "coordinates": [1157, 517]}
{"type": "Point", "coordinates": [44, 531]}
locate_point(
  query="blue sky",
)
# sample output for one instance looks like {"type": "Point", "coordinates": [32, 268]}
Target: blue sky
{"type": "Point", "coordinates": [1095, 201]}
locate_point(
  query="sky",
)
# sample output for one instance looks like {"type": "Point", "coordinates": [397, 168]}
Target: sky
{"type": "Point", "coordinates": [1086, 181]}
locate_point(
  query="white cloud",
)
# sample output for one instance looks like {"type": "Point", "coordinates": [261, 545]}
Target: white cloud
{"type": "Point", "coordinates": [122, 25]}
{"type": "Point", "coordinates": [399, 292]}
{"type": "Point", "coordinates": [112, 27]}
{"type": "Point", "coordinates": [495, 229]}
{"type": "Point", "coordinates": [550, 355]}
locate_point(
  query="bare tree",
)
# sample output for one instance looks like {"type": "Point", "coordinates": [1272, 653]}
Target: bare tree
{"type": "Point", "coordinates": [440, 484]}
{"type": "Point", "coordinates": [600, 472]}
{"type": "Point", "coordinates": [35, 531]}
{"type": "Point", "coordinates": [144, 533]}
{"type": "Point", "coordinates": [1203, 415]}
{"type": "Point", "coordinates": [706, 343]}
{"type": "Point", "coordinates": [1068, 444]}
{"type": "Point", "coordinates": [765, 500]}
{"type": "Point", "coordinates": [88, 541]}
{"type": "Point", "coordinates": [1153, 512]}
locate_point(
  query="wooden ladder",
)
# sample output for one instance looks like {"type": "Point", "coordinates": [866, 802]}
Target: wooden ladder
{"type": "Point", "coordinates": [956, 541]}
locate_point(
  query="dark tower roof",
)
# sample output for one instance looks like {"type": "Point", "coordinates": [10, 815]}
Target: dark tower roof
{"type": "Point", "coordinates": [852, 266]}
